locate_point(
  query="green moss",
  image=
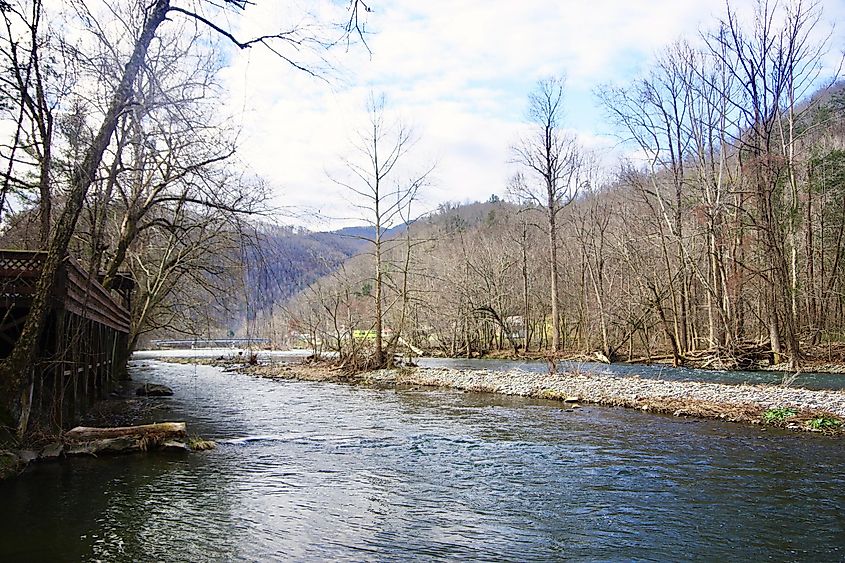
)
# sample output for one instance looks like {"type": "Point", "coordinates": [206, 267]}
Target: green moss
{"type": "Point", "coordinates": [551, 394]}
{"type": "Point", "coordinates": [199, 444]}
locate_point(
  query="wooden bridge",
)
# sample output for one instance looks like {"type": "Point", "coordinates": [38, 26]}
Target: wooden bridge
{"type": "Point", "coordinates": [83, 348]}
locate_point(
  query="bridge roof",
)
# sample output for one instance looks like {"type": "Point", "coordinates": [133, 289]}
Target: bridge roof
{"type": "Point", "coordinates": [76, 291]}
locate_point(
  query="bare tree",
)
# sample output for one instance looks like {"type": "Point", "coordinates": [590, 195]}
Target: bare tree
{"type": "Point", "coordinates": [15, 372]}
{"type": "Point", "coordinates": [32, 88]}
{"type": "Point", "coordinates": [375, 178]}
{"type": "Point", "coordinates": [773, 62]}
{"type": "Point", "coordinates": [554, 167]}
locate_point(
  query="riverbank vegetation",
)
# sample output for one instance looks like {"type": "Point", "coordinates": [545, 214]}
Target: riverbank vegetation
{"type": "Point", "coordinates": [115, 151]}
{"type": "Point", "coordinates": [772, 405]}
{"type": "Point", "coordinates": [717, 242]}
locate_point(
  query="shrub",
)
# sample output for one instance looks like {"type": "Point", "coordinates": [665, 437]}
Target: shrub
{"type": "Point", "coordinates": [773, 416]}
{"type": "Point", "coordinates": [824, 423]}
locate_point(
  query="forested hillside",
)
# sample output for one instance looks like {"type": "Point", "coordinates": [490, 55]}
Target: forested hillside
{"type": "Point", "coordinates": [716, 239]}
{"type": "Point", "coordinates": [281, 261]}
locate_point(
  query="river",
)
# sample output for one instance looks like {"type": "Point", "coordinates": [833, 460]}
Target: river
{"type": "Point", "coordinates": [321, 471]}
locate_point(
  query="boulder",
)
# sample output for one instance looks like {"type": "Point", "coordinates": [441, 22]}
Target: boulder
{"type": "Point", "coordinates": [177, 445]}
{"type": "Point", "coordinates": [52, 451]}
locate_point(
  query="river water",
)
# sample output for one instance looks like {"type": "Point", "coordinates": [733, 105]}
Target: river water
{"type": "Point", "coordinates": [320, 471]}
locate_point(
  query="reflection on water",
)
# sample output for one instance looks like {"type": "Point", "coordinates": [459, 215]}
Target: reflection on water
{"type": "Point", "coordinates": [315, 471]}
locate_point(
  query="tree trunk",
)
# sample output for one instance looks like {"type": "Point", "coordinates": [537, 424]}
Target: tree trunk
{"type": "Point", "coordinates": [92, 441]}
{"type": "Point", "coordinates": [553, 271]}
{"type": "Point", "coordinates": [45, 203]}
{"type": "Point", "coordinates": [127, 234]}
{"type": "Point", "coordinates": [526, 303]}
{"type": "Point", "coordinates": [23, 355]}
{"type": "Point", "coordinates": [379, 352]}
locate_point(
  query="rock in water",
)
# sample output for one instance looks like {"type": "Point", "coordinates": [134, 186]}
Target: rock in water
{"type": "Point", "coordinates": [154, 390]}
{"type": "Point", "coordinates": [10, 464]}
{"type": "Point", "coordinates": [52, 451]}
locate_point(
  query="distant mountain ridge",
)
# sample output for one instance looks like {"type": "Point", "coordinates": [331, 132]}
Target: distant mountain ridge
{"type": "Point", "coordinates": [364, 232]}
{"type": "Point", "coordinates": [285, 260]}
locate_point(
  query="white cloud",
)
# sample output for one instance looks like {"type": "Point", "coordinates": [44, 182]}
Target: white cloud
{"type": "Point", "coordinates": [459, 72]}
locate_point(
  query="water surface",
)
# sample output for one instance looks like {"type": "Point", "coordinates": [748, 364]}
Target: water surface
{"type": "Point", "coordinates": [806, 380]}
{"type": "Point", "coordinates": [319, 471]}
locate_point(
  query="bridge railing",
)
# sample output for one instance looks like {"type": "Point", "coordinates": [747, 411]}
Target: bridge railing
{"type": "Point", "coordinates": [84, 345]}
{"type": "Point", "coordinates": [210, 342]}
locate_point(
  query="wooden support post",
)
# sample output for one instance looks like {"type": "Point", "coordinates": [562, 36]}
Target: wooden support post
{"type": "Point", "coordinates": [78, 350]}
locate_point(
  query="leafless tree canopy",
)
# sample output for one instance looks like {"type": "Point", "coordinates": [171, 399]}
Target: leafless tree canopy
{"type": "Point", "coordinates": [720, 245]}
{"type": "Point", "coordinates": [116, 148]}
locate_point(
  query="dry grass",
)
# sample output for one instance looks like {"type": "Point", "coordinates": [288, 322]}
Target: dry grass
{"type": "Point", "coordinates": [151, 441]}
{"type": "Point", "coordinates": [303, 372]}
{"type": "Point", "coordinates": [731, 412]}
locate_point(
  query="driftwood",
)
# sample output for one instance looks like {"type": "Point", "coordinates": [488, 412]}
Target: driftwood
{"type": "Point", "coordinates": [86, 440]}
{"type": "Point", "coordinates": [742, 355]}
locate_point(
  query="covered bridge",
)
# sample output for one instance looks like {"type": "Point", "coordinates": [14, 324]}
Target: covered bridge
{"type": "Point", "coordinates": [83, 347]}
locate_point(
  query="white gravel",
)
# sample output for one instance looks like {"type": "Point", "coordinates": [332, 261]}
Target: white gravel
{"type": "Point", "coordinates": [603, 388]}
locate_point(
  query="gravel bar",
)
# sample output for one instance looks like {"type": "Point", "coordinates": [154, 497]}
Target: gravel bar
{"type": "Point", "coordinates": [737, 403]}
{"type": "Point", "coordinates": [609, 389]}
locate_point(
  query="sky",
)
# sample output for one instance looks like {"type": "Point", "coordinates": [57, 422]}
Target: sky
{"type": "Point", "coordinates": [457, 72]}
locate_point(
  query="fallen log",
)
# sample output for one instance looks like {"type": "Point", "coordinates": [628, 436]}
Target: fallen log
{"type": "Point", "coordinates": [163, 435]}
{"type": "Point", "coordinates": [656, 358]}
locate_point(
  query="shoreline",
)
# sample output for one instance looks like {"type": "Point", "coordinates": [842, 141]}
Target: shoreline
{"type": "Point", "coordinates": [122, 408]}
{"type": "Point", "coordinates": [797, 409]}
{"type": "Point", "coordinates": [810, 366]}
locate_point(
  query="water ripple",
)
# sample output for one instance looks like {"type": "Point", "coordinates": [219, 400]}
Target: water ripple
{"type": "Point", "coordinates": [311, 471]}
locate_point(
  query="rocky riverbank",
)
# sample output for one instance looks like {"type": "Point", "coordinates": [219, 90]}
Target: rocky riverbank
{"type": "Point", "coordinates": [120, 418]}
{"type": "Point", "coordinates": [793, 408]}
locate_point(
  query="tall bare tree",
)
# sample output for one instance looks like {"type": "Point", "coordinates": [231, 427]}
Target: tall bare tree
{"type": "Point", "coordinates": [384, 192]}
{"type": "Point", "coordinates": [774, 61]}
{"type": "Point", "coordinates": [36, 72]}
{"type": "Point", "coordinates": [553, 168]}
{"type": "Point", "coordinates": [16, 377]}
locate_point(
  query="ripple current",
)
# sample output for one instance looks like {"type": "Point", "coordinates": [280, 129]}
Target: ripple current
{"type": "Point", "coordinates": [321, 471]}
